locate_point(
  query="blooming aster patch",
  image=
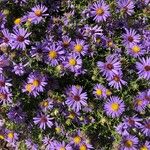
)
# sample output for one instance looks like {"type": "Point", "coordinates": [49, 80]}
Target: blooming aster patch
{"type": "Point", "coordinates": [75, 74]}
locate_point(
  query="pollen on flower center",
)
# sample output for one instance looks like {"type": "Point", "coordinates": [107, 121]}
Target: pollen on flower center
{"type": "Point", "coordinates": [72, 62]}
{"type": "Point", "coordinates": [29, 87]}
{"type": "Point", "coordinates": [78, 48]}
{"type": "Point", "coordinates": [36, 83]}
{"type": "Point", "coordinates": [116, 78]}
{"type": "Point", "coordinates": [52, 54]}
{"type": "Point", "coordinates": [11, 135]}
{"type": "Point", "coordinates": [17, 21]}
{"type": "Point", "coordinates": [62, 148]}
{"type": "Point", "coordinates": [144, 148]}
{"type": "Point", "coordinates": [1, 137]}
{"type": "Point", "coordinates": [20, 38]}
{"type": "Point", "coordinates": [77, 139]}
{"type": "Point", "coordinates": [99, 11]}
{"type": "Point", "coordinates": [136, 49]}
{"type": "Point", "coordinates": [38, 13]}
{"type": "Point", "coordinates": [139, 102]}
{"type": "Point", "coordinates": [147, 68]}
{"type": "Point", "coordinates": [45, 103]}
{"type": "Point", "coordinates": [83, 147]}
{"type": "Point", "coordinates": [99, 92]}
{"type": "Point", "coordinates": [114, 106]}
{"type": "Point", "coordinates": [2, 96]}
{"type": "Point", "coordinates": [128, 143]}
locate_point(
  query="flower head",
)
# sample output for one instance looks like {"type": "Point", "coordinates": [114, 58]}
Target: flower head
{"type": "Point", "coordinates": [114, 107]}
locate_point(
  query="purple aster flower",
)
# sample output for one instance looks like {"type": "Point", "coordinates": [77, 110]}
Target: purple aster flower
{"type": "Point", "coordinates": [73, 62]}
{"type": "Point", "coordinates": [16, 114]}
{"type": "Point", "coordinates": [136, 50]}
{"type": "Point", "coordinates": [85, 146]}
{"type": "Point", "coordinates": [116, 81]}
{"type": "Point", "coordinates": [6, 37]}
{"type": "Point", "coordinates": [114, 107]}
{"type": "Point", "coordinates": [5, 97]}
{"type": "Point", "coordinates": [76, 98]}
{"type": "Point", "coordinates": [30, 145]}
{"type": "Point", "coordinates": [99, 91]}
{"type": "Point", "coordinates": [79, 47]}
{"type": "Point", "coordinates": [145, 146]}
{"type": "Point", "coordinates": [111, 67]}
{"type": "Point", "coordinates": [19, 38]}
{"type": "Point", "coordinates": [4, 84]}
{"type": "Point", "coordinates": [145, 127]}
{"type": "Point", "coordinates": [37, 80]}
{"type": "Point", "coordinates": [53, 55]}
{"type": "Point", "coordinates": [143, 68]}
{"type": "Point", "coordinates": [49, 143]}
{"type": "Point", "coordinates": [126, 6]}
{"type": "Point", "coordinates": [46, 104]}
{"type": "Point", "coordinates": [19, 69]}
{"type": "Point", "coordinates": [62, 146]}
{"type": "Point", "coordinates": [132, 121]}
{"type": "Point", "coordinates": [37, 14]}
{"type": "Point", "coordinates": [129, 143]}
{"type": "Point", "coordinates": [93, 32]}
{"type": "Point", "coordinates": [139, 102]}
{"type": "Point", "coordinates": [130, 37]}
{"type": "Point", "coordinates": [100, 11]}
{"type": "Point", "coordinates": [11, 137]}
{"type": "Point", "coordinates": [29, 88]}
{"type": "Point", "coordinates": [122, 129]}
{"type": "Point", "coordinates": [76, 138]}
{"type": "Point", "coordinates": [66, 40]}
{"type": "Point", "coordinates": [43, 120]}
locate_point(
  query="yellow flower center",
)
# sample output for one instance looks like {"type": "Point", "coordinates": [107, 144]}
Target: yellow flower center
{"type": "Point", "coordinates": [77, 139]}
{"type": "Point", "coordinates": [2, 96]}
{"type": "Point", "coordinates": [1, 137]}
{"type": "Point", "coordinates": [17, 21]}
{"type": "Point", "coordinates": [108, 92]}
{"type": "Point", "coordinates": [99, 92]}
{"type": "Point", "coordinates": [72, 62]}
{"type": "Point", "coordinates": [52, 54]}
{"type": "Point", "coordinates": [114, 106]}
{"type": "Point", "coordinates": [78, 48]}
{"type": "Point", "coordinates": [110, 44]}
{"type": "Point", "coordinates": [58, 129]}
{"type": "Point", "coordinates": [128, 143]}
{"type": "Point", "coordinates": [10, 135]}
{"type": "Point", "coordinates": [36, 83]}
{"type": "Point", "coordinates": [99, 11]}
{"type": "Point", "coordinates": [144, 148]}
{"type": "Point", "coordinates": [136, 49]}
{"type": "Point", "coordinates": [83, 147]}
{"type": "Point", "coordinates": [29, 87]}
{"type": "Point", "coordinates": [38, 13]}
{"type": "Point", "coordinates": [45, 103]}
{"type": "Point", "coordinates": [62, 148]}
{"type": "Point", "coordinates": [139, 102]}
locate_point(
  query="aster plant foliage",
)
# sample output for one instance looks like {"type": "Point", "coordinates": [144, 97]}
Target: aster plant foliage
{"type": "Point", "coordinates": [75, 74]}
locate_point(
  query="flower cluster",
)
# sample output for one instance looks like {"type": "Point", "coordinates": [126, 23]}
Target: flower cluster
{"type": "Point", "coordinates": [74, 75]}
